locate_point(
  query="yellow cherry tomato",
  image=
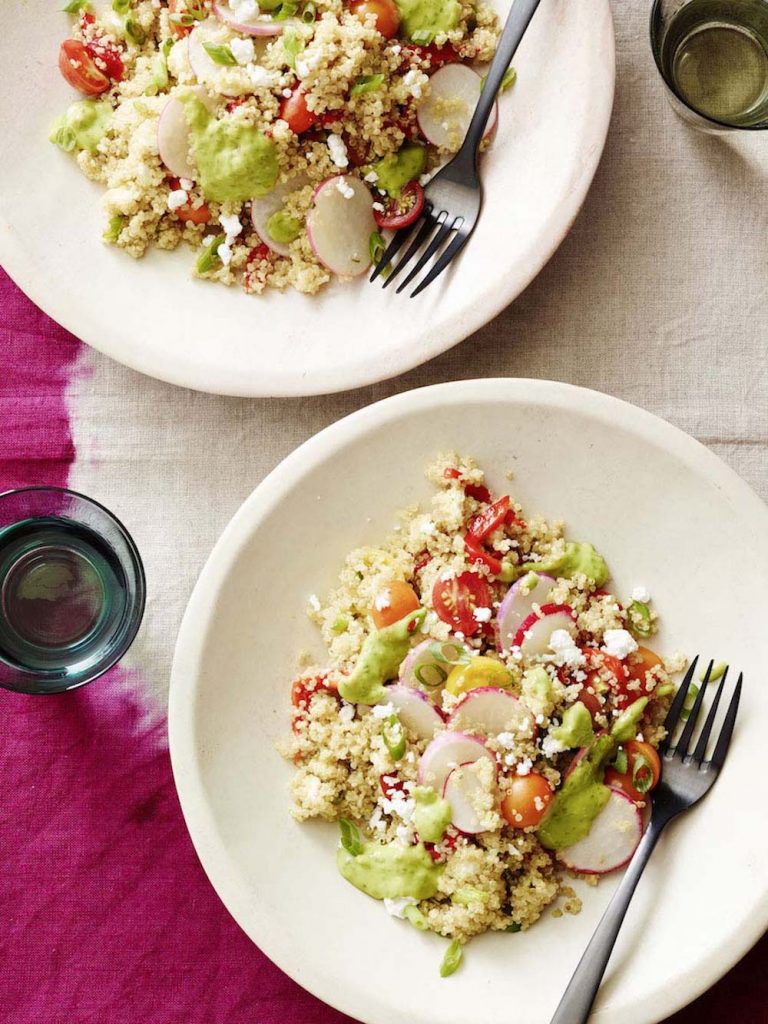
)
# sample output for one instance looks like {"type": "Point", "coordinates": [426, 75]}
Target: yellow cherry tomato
{"type": "Point", "coordinates": [479, 672]}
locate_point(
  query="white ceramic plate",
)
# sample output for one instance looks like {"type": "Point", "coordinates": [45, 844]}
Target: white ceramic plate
{"type": "Point", "coordinates": [154, 317]}
{"type": "Point", "coordinates": [664, 511]}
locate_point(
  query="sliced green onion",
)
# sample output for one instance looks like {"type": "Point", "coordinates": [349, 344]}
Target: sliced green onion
{"type": "Point", "coordinates": [114, 227]}
{"type": "Point", "coordinates": [620, 761]}
{"type": "Point", "coordinates": [197, 9]}
{"type": "Point", "coordinates": [209, 257]}
{"type": "Point", "coordinates": [350, 837]}
{"type": "Point", "coordinates": [431, 683]}
{"type": "Point", "coordinates": [718, 671]}
{"type": "Point", "coordinates": [416, 918]}
{"type": "Point", "coordinates": [639, 620]}
{"type": "Point", "coordinates": [166, 48]}
{"type": "Point", "coordinates": [422, 37]}
{"type": "Point", "coordinates": [458, 657]}
{"type": "Point", "coordinates": [184, 19]}
{"type": "Point", "coordinates": [393, 735]}
{"type": "Point", "coordinates": [376, 246]}
{"type": "Point", "coordinates": [340, 625]}
{"type": "Point", "coordinates": [220, 54]}
{"type": "Point", "coordinates": [664, 690]}
{"type": "Point", "coordinates": [642, 776]}
{"type": "Point", "coordinates": [452, 959]}
{"type": "Point", "coordinates": [367, 83]}
{"type": "Point", "coordinates": [75, 6]}
{"type": "Point", "coordinates": [514, 927]}
{"type": "Point", "coordinates": [160, 78]}
{"type": "Point", "coordinates": [509, 79]}
{"type": "Point", "coordinates": [690, 698]}
{"type": "Point", "coordinates": [308, 13]}
{"type": "Point", "coordinates": [287, 9]}
{"type": "Point", "coordinates": [121, 6]}
{"type": "Point", "coordinates": [134, 31]}
{"type": "Point", "coordinates": [467, 896]}
{"type": "Point", "coordinates": [293, 44]}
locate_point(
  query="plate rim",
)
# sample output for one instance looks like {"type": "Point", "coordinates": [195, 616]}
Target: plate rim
{"type": "Point", "coordinates": [192, 633]}
{"type": "Point", "coordinates": [200, 375]}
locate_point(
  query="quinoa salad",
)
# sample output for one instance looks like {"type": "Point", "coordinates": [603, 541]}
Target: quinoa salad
{"type": "Point", "coordinates": [485, 727]}
{"type": "Point", "coordinates": [280, 139]}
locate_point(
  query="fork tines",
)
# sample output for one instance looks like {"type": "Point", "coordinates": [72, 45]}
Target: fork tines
{"type": "Point", "coordinates": [439, 226]}
{"type": "Point", "coordinates": [681, 748]}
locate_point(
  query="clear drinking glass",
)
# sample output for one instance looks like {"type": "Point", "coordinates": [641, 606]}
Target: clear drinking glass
{"type": "Point", "coordinates": [72, 590]}
{"type": "Point", "coordinates": [713, 57]}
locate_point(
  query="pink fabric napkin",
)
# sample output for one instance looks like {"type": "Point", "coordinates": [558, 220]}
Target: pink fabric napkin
{"type": "Point", "coordinates": [107, 917]}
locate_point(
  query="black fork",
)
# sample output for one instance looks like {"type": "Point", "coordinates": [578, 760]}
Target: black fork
{"type": "Point", "coordinates": [454, 197]}
{"type": "Point", "coordinates": [686, 777]}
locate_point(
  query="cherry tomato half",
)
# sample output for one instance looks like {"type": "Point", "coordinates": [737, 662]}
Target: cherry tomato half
{"type": "Point", "coordinates": [385, 12]}
{"type": "Point", "coordinates": [305, 687]}
{"type": "Point", "coordinates": [79, 69]}
{"type": "Point", "coordinates": [637, 664]}
{"type": "Point", "coordinates": [490, 519]}
{"type": "Point", "coordinates": [393, 603]}
{"type": "Point", "coordinates": [645, 772]}
{"type": "Point", "coordinates": [109, 56]}
{"type": "Point", "coordinates": [435, 56]}
{"type": "Point", "coordinates": [190, 214]}
{"type": "Point", "coordinates": [456, 598]}
{"type": "Point", "coordinates": [476, 553]}
{"type": "Point", "coordinates": [526, 801]}
{"type": "Point", "coordinates": [294, 110]}
{"type": "Point", "coordinates": [403, 210]}
{"type": "Point", "coordinates": [606, 672]}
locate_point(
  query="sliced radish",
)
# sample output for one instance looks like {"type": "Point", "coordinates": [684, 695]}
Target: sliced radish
{"type": "Point", "coordinates": [340, 225]}
{"type": "Point", "coordinates": [244, 16]}
{"type": "Point", "coordinates": [535, 632]}
{"type": "Point", "coordinates": [263, 208]}
{"type": "Point", "coordinates": [444, 114]}
{"type": "Point", "coordinates": [490, 710]}
{"type": "Point", "coordinates": [415, 710]}
{"type": "Point", "coordinates": [612, 840]}
{"type": "Point", "coordinates": [430, 663]}
{"type": "Point", "coordinates": [465, 791]}
{"type": "Point", "coordinates": [447, 751]}
{"type": "Point", "coordinates": [518, 605]}
{"type": "Point", "coordinates": [173, 139]}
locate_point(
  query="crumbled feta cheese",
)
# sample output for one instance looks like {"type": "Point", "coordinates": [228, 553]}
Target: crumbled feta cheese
{"type": "Point", "coordinates": [566, 651]}
{"type": "Point", "coordinates": [177, 199]}
{"type": "Point", "coordinates": [396, 906]}
{"type": "Point", "coordinates": [186, 183]}
{"type": "Point", "coordinates": [524, 767]}
{"type": "Point", "coordinates": [550, 746]}
{"type": "Point", "coordinates": [371, 176]}
{"type": "Point", "coordinates": [382, 710]}
{"type": "Point", "coordinates": [506, 740]}
{"type": "Point", "coordinates": [619, 643]}
{"type": "Point", "coordinates": [482, 614]}
{"type": "Point", "coordinates": [338, 151]}
{"type": "Point", "coordinates": [245, 9]}
{"type": "Point", "coordinates": [382, 601]}
{"type": "Point", "coordinates": [379, 208]}
{"type": "Point", "coordinates": [347, 712]}
{"type": "Point", "coordinates": [224, 252]}
{"type": "Point", "coordinates": [260, 76]}
{"type": "Point", "coordinates": [302, 68]}
{"type": "Point", "coordinates": [231, 225]}
{"type": "Point", "coordinates": [641, 594]}
{"type": "Point", "coordinates": [314, 603]}
{"type": "Point", "coordinates": [242, 50]}
{"type": "Point", "coordinates": [414, 80]}
{"type": "Point", "coordinates": [287, 93]}
{"type": "Point", "coordinates": [346, 190]}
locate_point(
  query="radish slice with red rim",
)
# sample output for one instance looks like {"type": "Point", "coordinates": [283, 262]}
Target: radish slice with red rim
{"type": "Point", "coordinates": [489, 710]}
{"type": "Point", "coordinates": [265, 206]}
{"type": "Point", "coordinates": [446, 751]}
{"type": "Point", "coordinates": [244, 16]}
{"type": "Point", "coordinates": [613, 838]}
{"type": "Point", "coordinates": [518, 603]}
{"type": "Point", "coordinates": [471, 797]}
{"type": "Point", "coordinates": [340, 225]}
{"type": "Point", "coordinates": [415, 710]}
{"type": "Point", "coordinates": [444, 114]}
{"type": "Point", "coordinates": [535, 632]}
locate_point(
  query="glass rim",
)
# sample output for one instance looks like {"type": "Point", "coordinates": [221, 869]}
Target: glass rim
{"type": "Point", "coordinates": [705, 118]}
{"type": "Point", "coordinates": [137, 612]}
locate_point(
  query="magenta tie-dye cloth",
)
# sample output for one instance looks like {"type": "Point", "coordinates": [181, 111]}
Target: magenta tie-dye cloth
{"type": "Point", "coordinates": [106, 916]}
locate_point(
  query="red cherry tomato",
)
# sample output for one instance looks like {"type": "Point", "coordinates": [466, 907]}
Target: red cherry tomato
{"type": "Point", "coordinates": [648, 770]}
{"type": "Point", "coordinates": [456, 598]}
{"type": "Point", "coordinates": [403, 210]}
{"type": "Point", "coordinates": [390, 784]}
{"type": "Point", "coordinates": [79, 69]}
{"type": "Point", "coordinates": [638, 664]}
{"type": "Point", "coordinates": [440, 851]}
{"type": "Point", "coordinates": [179, 7]}
{"type": "Point", "coordinates": [190, 214]}
{"type": "Point", "coordinates": [478, 492]}
{"type": "Point", "coordinates": [107, 59]}
{"type": "Point", "coordinates": [477, 553]}
{"type": "Point", "coordinates": [526, 800]}
{"type": "Point", "coordinates": [385, 12]}
{"type": "Point", "coordinates": [435, 56]}
{"type": "Point", "coordinates": [294, 110]}
{"type": "Point", "coordinates": [305, 687]}
{"type": "Point", "coordinates": [606, 671]}
{"type": "Point", "coordinates": [490, 519]}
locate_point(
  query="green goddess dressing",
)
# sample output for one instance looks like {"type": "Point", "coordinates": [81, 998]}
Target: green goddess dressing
{"type": "Point", "coordinates": [379, 660]}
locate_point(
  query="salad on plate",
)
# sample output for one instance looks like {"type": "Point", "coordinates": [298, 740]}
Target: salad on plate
{"type": "Point", "coordinates": [485, 729]}
{"type": "Point", "coordinates": [278, 138]}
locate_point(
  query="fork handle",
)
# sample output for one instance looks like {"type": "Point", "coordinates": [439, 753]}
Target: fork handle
{"type": "Point", "coordinates": [517, 22]}
{"type": "Point", "coordinates": [580, 995]}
